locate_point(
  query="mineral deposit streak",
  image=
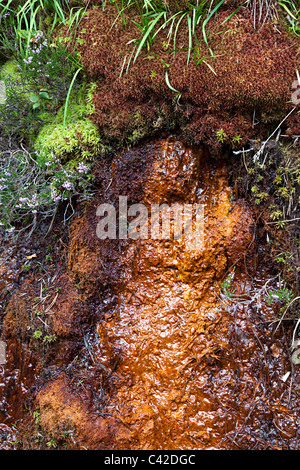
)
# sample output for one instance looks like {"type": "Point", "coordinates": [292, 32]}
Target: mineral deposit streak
{"type": "Point", "coordinates": [196, 367]}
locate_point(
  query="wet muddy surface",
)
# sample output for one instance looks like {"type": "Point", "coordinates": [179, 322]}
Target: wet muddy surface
{"type": "Point", "coordinates": [199, 379]}
{"type": "Point", "coordinates": [181, 350]}
{"type": "Point", "coordinates": [200, 365]}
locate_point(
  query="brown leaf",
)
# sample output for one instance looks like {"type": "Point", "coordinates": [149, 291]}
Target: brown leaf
{"type": "Point", "coordinates": [31, 256]}
{"type": "Point", "coordinates": [275, 350]}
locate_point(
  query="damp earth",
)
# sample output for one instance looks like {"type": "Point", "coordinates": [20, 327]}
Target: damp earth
{"type": "Point", "coordinates": [154, 346]}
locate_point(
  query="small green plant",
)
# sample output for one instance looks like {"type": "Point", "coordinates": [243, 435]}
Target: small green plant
{"type": "Point", "coordinates": [37, 417]}
{"type": "Point", "coordinates": [37, 334]}
{"type": "Point", "coordinates": [31, 184]}
{"type": "Point", "coordinates": [49, 338]}
{"type": "Point", "coordinates": [51, 444]}
{"type": "Point", "coordinates": [276, 214]}
{"type": "Point", "coordinates": [283, 192]}
{"type": "Point", "coordinates": [278, 180]}
{"type": "Point", "coordinates": [41, 100]}
{"type": "Point", "coordinates": [226, 285]}
{"type": "Point", "coordinates": [281, 294]}
{"type": "Point", "coordinates": [260, 197]}
{"type": "Point", "coordinates": [221, 135]}
{"type": "Point", "coordinates": [236, 139]}
{"type": "Point", "coordinates": [283, 258]}
{"type": "Point", "coordinates": [71, 134]}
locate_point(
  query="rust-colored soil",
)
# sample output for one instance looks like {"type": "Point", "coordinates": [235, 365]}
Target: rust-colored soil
{"type": "Point", "coordinates": [149, 352]}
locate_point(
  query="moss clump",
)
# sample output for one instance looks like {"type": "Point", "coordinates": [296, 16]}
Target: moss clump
{"type": "Point", "coordinates": [248, 78]}
{"type": "Point", "coordinates": [79, 137]}
{"type": "Point", "coordinates": [272, 184]}
{"type": "Point", "coordinates": [15, 82]}
{"type": "Point", "coordinates": [10, 70]}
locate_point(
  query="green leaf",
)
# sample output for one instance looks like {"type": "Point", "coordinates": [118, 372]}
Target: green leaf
{"type": "Point", "coordinates": [34, 98]}
{"type": "Point", "coordinates": [45, 95]}
{"type": "Point", "coordinates": [177, 27]}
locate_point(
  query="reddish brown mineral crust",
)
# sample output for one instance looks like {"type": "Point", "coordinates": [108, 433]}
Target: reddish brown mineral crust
{"type": "Point", "coordinates": [168, 365]}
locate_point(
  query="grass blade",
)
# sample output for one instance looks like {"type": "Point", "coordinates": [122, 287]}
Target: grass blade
{"type": "Point", "coordinates": [5, 7]}
{"type": "Point", "coordinates": [147, 34]}
{"type": "Point", "coordinates": [168, 83]}
{"type": "Point", "coordinates": [205, 23]}
{"type": "Point", "coordinates": [287, 10]}
{"type": "Point", "coordinates": [209, 66]}
{"type": "Point", "coordinates": [189, 21]}
{"type": "Point", "coordinates": [59, 10]}
{"type": "Point", "coordinates": [68, 97]}
{"type": "Point", "coordinates": [176, 29]}
{"type": "Point", "coordinates": [233, 13]}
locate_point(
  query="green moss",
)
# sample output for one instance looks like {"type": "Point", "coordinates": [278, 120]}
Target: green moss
{"type": "Point", "coordinates": [10, 73]}
{"type": "Point", "coordinates": [80, 137]}
{"type": "Point", "coordinates": [10, 70]}
{"type": "Point", "coordinates": [273, 183]}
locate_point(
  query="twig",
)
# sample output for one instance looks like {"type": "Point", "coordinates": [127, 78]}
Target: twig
{"type": "Point", "coordinates": [33, 227]}
{"type": "Point", "coordinates": [52, 221]}
{"type": "Point", "coordinates": [69, 204]}
{"type": "Point", "coordinates": [287, 220]}
{"type": "Point", "coordinates": [237, 152]}
{"type": "Point", "coordinates": [260, 151]}
{"type": "Point", "coordinates": [298, 76]}
{"type": "Point", "coordinates": [88, 348]}
{"type": "Point", "coordinates": [43, 322]}
{"type": "Point", "coordinates": [296, 298]}
{"type": "Point", "coordinates": [295, 329]}
{"type": "Point", "coordinates": [52, 303]}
